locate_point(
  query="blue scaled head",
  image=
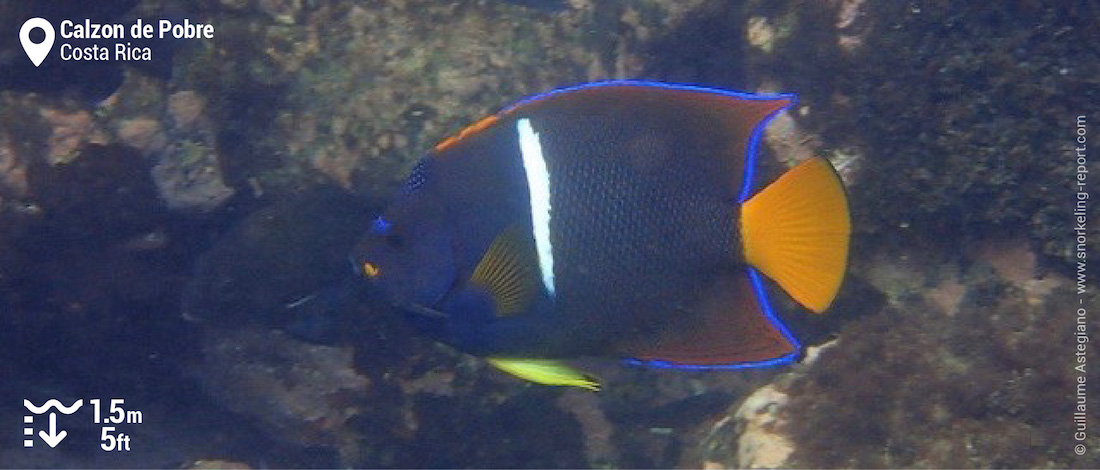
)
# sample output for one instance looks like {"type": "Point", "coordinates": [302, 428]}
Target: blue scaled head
{"type": "Point", "coordinates": [407, 252]}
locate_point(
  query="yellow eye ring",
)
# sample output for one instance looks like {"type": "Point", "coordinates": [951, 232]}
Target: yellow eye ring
{"type": "Point", "coordinates": [370, 270]}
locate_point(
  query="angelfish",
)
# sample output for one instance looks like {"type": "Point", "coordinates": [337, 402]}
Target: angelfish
{"type": "Point", "coordinates": [611, 219]}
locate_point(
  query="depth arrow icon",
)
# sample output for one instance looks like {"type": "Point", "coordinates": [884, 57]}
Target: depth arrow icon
{"type": "Point", "coordinates": [53, 438]}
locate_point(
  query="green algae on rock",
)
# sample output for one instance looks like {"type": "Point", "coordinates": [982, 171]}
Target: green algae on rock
{"type": "Point", "coordinates": [958, 115]}
{"type": "Point", "coordinates": [981, 387]}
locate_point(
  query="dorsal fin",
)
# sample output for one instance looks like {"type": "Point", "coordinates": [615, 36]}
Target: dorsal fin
{"type": "Point", "coordinates": [474, 128]}
{"type": "Point", "coordinates": [508, 271]}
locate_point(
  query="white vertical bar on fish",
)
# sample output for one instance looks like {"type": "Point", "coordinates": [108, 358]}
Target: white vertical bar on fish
{"type": "Point", "coordinates": [538, 187]}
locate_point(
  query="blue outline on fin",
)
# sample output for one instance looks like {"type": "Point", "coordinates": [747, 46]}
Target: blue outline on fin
{"type": "Point", "coordinates": [750, 150]}
{"type": "Point", "coordinates": [754, 137]}
{"type": "Point", "coordinates": [762, 299]}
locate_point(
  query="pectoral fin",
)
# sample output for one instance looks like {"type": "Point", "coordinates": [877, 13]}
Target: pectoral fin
{"type": "Point", "coordinates": [508, 271]}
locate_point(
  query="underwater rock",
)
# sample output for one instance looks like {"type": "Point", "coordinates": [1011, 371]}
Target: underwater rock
{"type": "Point", "coordinates": [143, 134]}
{"type": "Point", "coordinates": [277, 261]}
{"type": "Point", "coordinates": [188, 178]}
{"type": "Point", "coordinates": [284, 114]}
{"type": "Point", "coordinates": [549, 6]}
{"type": "Point", "coordinates": [400, 402]}
{"type": "Point", "coordinates": [37, 129]}
{"type": "Point", "coordinates": [188, 171]}
{"type": "Point", "coordinates": [88, 80]}
{"type": "Point", "coordinates": [597, 429]}
{"type": "Point", "coordinates": [69, 130]}
{"type": "Point", "coordinates": [258, 110]}
{"type": "Point", "coordinates": [53, 110]}
{"type": "Point", "coordinates": [216, 464]}
{"type": "Point", "coordinates": [301, 393]}
{"type": "Point", "coordinates": [53, 130]}
{"type": "Point", "coordinates": [92, 248]}
{"type": "Point", "coordinates": [185, 108]}
{"type": "Point", "coordinates": [753, 433]}
{"type": "Point", "coordinates": [759, 445]}
{"type": "Point", "coordinates": [13, 172]}
{"type": "Point", "coordinates": [975, 389]}
{"type": "Point", "coordinates": [102, 192]}
{"type": "Point", "coordinates": [922, 108]}
{"type": "Point", "coordinates": [947, 113]}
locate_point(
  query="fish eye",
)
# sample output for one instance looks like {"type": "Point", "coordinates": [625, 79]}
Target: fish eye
{"type": "Point", "coordinates": [370, 270]}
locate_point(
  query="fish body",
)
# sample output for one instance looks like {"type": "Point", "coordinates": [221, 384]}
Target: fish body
{"type": "Point", "coordinates": [605, 219]}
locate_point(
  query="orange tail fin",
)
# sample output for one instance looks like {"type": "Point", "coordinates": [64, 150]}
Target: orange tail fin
{"type": "Point", "coordinates": [796, 232]}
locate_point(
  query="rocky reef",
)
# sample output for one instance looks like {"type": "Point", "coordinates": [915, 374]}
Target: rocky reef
{"type": "Point", "coordinates": [953, 127]}
{"type": "Point", "coordinates": [985, 380]}
{"type": "Point", "coordinates": [164, 226]}
{"type": "Point", "coordinates": [954, 119]}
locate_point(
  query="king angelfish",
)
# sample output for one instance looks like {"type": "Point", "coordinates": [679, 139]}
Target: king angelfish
{"type": "Point", "coordinates": [611, 219]}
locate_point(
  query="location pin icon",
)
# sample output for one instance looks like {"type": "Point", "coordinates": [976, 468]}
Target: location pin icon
{"type": "Point", "coordinates": [37, 52]}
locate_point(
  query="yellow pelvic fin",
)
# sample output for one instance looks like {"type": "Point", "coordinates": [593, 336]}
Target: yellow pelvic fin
{"type": "Point", "coordinates": [546, 372]}
{"type": "Point", "coordinates": [507, 271]}
{"type": "Point", "coordinates": [796, 232]}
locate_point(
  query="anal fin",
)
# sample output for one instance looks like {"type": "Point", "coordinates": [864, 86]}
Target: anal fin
{"type": "Point", "coordinates": [731, 327]}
